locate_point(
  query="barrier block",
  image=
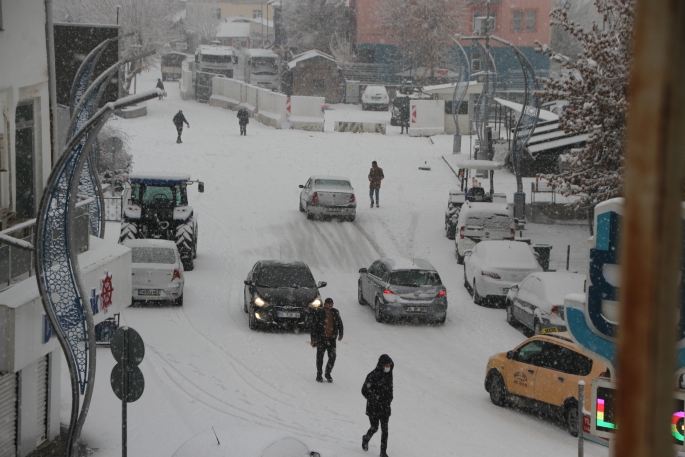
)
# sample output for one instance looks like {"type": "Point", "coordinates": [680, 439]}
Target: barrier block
{"type": "Point", "coordinates": [360, 127]}
{"type": "Point", "coordinates": [306, 113]}
{"type": "Point", "coordinates": [271, 108]}
{"type": "Point", "coordinates": [427, 117]}
{"type": "Point", "coordinates": [186, 85]}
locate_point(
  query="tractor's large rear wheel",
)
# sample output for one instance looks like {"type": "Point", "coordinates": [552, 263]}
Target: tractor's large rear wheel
{"type": "Point", "coordinates": [129, 231]}
{"type": "Point", "coordinates": [186, 243]}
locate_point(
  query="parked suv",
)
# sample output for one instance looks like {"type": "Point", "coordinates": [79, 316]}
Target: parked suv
{"type": "Point", "coordinates": [375, 97]}
{"type": "Point", "coordinates": [403, 289]}
{"type": "Point", "coordinates": [156, 206]}
{"type": "Point", "coordinates": [482, 221]}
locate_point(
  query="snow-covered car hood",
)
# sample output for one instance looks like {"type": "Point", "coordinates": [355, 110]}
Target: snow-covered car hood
{"type": "Point", "coordinates": [288, 296]}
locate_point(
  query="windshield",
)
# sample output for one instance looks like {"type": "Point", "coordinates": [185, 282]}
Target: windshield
{"type": "Point", "coordinates": [489, 221]}
{"type": "Point", "coordinates": [153, 255]}
{"type": "Point", "coordinates": [217, 59]}
{"type": "Point", "coordinates": [332, 183]}
{"type": "Point", "coordinates": [415, 278]}
{"type": "Point", "coordinates": [159, 195]}
{"type": "Point", "coordinates": [285, 276]}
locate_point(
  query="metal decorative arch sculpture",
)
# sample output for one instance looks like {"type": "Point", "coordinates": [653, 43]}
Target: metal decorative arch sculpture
{"type": "Point", "coordinates": [487, 95]}
{"type": "Point", "coordinates": [56, 261]}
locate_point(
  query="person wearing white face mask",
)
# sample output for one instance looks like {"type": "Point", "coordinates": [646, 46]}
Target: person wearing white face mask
{"type": "Point", "coordinates": [377, 390]}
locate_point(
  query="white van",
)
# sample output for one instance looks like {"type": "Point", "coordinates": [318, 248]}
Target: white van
{"type": "Point", "coordinates": [482, 221]}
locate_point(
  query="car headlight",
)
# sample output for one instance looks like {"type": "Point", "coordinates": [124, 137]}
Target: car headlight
{"type": "Point", "coordinates": [316, 303]}
{"type": "Point", "coordinates": [259, 301]}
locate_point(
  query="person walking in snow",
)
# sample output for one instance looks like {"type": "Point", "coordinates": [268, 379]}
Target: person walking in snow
{"type": "Point", "coordinates": [404, 117]}
{"type": "Point", "coordinates": [179, 119]}
{"type": "Point", "coordinates": [326, 326]}
{"type": "Point", "coordinates": [160, 85]}
{"type": "Point", "coordinates": [375, 178]}
{"type": "Point", "coordinates": [243, 120]}
{"type": "Point", "coordinates": [377, 390]}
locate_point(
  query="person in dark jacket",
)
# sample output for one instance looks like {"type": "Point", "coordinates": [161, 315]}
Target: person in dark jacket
{"type": "Point", "coordinates": [326, 326]}
{"type": "Point", "coordinates": [404, 117]}
{"type": "Point", "coordinates": [375, 177]}
{"type": "Point", "coordinates": [160, 85]}
{"type": "Point", "coordinates": [377, 390]}
{"type": "Point", "coordinates": [179, 119]}
{"type": "Point", "coordinates": [243, 120]}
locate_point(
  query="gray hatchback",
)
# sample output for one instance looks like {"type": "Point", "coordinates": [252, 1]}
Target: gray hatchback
{"type": "Point", "coordinates": [403, 289]}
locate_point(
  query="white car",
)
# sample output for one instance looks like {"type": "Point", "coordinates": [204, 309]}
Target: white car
{"type": "Point", "coordinates": [479, 222]}
{"type": "Point", "coordinates": [538, 302]}
{"type": "Point", "coordinates": [375, 97]}
{"type": "Point", "coordinates": [157, 271]}
{"type": "Point", "coordinates": [244, 441]}
{"type": "Point", "coordinates": [491, 268]}
{"type": "Point", "coordinates": [327, 197]}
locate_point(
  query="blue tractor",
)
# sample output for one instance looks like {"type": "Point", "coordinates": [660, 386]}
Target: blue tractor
{"type": "Point", "coordinates": [156, 206]}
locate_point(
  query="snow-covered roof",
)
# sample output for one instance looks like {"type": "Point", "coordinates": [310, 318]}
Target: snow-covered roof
{"type": "Point", "coordinates": [150, 243]}
{"type": "Point", "coordinates": [473, 164]}
{"type": "Point", "coordinates": [544, 114]}
{"type": "Point", "coordinates": [309, 55]}
{"type": "Point", "coordinates": [558, 143]}
{"type": "Point", "coordinates": [217, 50]}
{"type": "Point", "coordinates": [555, 134]}
{"type": "Point", "coordinates": [338, 178]}
{"type": "Point", "coordinates": [485, 207]}
{"type": "Point", "coordinates": [260, 53]}
{"type": "Point", "coordinates": [156, 177]}
{"type": "Point", "coordinates": [234, 29]}
{"type": "Point", "coordinates": [410, 264]}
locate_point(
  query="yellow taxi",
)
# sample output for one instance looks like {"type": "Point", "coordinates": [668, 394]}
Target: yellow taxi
{"type": "Point", "coordinates": [543, 373]}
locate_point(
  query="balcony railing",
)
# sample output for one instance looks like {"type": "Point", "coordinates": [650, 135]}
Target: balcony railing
{"type": "Point", "coordinates": [16, 245]}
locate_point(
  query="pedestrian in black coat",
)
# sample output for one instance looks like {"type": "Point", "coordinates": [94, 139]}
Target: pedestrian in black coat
{"type": "Point", "coordinates": [326, 325]}
{"type": "Point", "coordinates": [377, 390]}
{"type": "Point", "coordinates": [179, 119]}
{"type": "Point", "coordinates": [160, 85]}
{"type": "Point", "coordinates": [243, 120]}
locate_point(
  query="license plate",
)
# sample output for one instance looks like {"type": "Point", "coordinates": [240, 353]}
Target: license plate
{"type": "Point", "coordinates": [505, 290]}
{"type": "Point", "coordinates": [148, 291]}
{"type": "Point", "coordinates": [548, 330]}
{"type": "Point", "coordinates": [416, 309]}
{"type": "Point", "coordinates": [334, 210]}
{"type": "Point", "coordinates": [287, 314]}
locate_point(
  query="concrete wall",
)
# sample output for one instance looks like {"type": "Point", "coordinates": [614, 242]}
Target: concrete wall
{"type": "Point", "coordinates": [306, 113]}
{"type": "Point", "coordinates": [271, 108]}
{"type": "Point", "coordinates": [427, 117]}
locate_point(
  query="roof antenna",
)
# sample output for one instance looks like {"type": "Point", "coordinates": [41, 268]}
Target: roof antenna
{"type": "Point", "coordinates": [217, 438]}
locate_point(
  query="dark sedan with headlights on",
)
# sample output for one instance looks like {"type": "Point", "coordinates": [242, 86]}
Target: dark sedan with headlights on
{"type": "Point", "coordinates": [280, 293]}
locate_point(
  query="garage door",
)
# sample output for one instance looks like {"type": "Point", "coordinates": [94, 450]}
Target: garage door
{"type": "Point", "coordinates": [8, 415]}
{"type": "Point", "coordinates": [42, 377]}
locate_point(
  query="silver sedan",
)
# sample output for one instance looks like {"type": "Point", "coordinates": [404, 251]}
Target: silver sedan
{"type": "Point", "coordinates": [327, 197]}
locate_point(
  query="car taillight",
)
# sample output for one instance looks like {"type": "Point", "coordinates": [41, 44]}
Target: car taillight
{"type": "Point", "coordinates": [388, 292]}
{"type": "Point", "coordinates": [513, 234]}
{"type": "Point", "coordinates": [554, 310]}
{"type": "Point", "coordinates": [442, 293]}
{"type": "Point", "coordinates": [352, 198]}
{"type": "Point", "coordinates": [177, 274]}
{"type": "Point", "coordinates": [491, 275]}
{"type": "Point", "coordinates": [461, 232]}
{"type": "Point", "coordinates": [315, 198]}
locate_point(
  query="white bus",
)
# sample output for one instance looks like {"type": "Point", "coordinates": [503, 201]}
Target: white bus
{"type": "Point", "coordinates": [219, 60]}
{"type": "Point", "coordinates": [261, 68]}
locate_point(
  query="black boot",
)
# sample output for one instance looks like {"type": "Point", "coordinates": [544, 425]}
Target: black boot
{"type": "Point", "coordinates": [365, 443]}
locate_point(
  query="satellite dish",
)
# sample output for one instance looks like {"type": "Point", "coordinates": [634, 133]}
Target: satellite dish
{"type": "Point", "coordinates": [113, 144]}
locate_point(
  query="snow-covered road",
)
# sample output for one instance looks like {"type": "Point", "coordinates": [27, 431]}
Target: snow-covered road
{"type": "Point", "coordinates": [203, 367]}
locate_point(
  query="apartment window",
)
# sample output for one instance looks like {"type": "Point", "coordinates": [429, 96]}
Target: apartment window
{"type": "Point", "coordinates": [530, 21]}
{"type": "Point", "coordinates": [256, 14]}
{"type": "Point", "coordinates": [319, 83]}
{"type": "Point", "coordinates": [24, 150]}
{"type": "Point", "coordinates": [216, 12]}
{"type": "Point", "coordinates": [518, 21]}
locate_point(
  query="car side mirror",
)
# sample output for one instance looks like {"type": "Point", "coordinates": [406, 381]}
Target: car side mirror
{"type": "Point", "coordinates": [515, 288]}
{"type": "Point", "coordinates": [468, 252]}
{"type": "Point", "coordinates": [322, 284]}
{"type": "Point", "coordinates": [363, 270]}
{"type": "Point", "coordinates": [247, 282]}
{"type": "Point", "coordinates": [301, 186]}
{"type": "Point", "coordinates": [201, 187]}
{"type": "Point", "coordinates": [510, 355]}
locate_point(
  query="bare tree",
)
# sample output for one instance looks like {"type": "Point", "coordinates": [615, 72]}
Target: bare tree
{"type": "Point", "coordinates": [201, 19]}
{"type": "Point", "coordinates": [309, 24]}
{"type": "Point", "coordinates": [421, 28]}
{"type": "Point", "coordinates": [342, 49]}
{"type": "Point", "coordinates": [597, 87]}
{"type": "Point", "coordinates": [149, 21]}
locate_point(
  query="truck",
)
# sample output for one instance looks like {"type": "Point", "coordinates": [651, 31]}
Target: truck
{"type": "Point", "coordinates": [211, 61]}
{"type": "Point", "coordinates": [172, 63]}
{"type": "Point", "coordinates": [155, 205]}
{"type": "Point", "coordinates": [261, 68]}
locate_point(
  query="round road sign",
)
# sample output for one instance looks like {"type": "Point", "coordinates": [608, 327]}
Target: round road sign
{"type": "Point", "coordinates": [136, 382]}
{"type": "Point", "coordinates": [134, 343]}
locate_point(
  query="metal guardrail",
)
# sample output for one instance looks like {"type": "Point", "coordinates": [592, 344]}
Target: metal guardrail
{"type": "Point", "coordinates": [16, 245]}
